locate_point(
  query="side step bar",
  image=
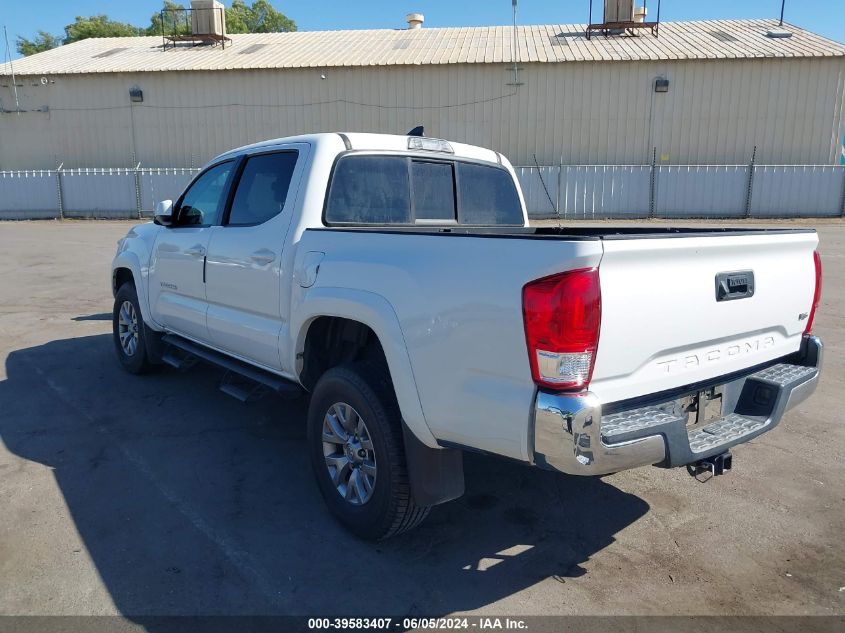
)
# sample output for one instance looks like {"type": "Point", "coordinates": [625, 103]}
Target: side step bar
{"type": "Point", "coordinates": [193, 351]}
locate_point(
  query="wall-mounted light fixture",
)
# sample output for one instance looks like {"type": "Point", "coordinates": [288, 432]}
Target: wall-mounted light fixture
{"type": "Point", "coordinates": [661, 84]}
{"type": "Point", "coordinates": [136, 95]}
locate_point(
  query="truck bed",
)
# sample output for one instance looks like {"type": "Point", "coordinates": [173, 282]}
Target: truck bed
{"type": "Point", "coordinates": [459, 305]}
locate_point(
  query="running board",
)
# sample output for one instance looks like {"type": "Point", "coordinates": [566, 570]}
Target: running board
{"type": "Point", "coordinates": [192, 351]}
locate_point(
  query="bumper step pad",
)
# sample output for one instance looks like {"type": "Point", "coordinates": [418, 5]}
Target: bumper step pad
{"type": "Point", "coordinates": [728, 430]}
{"type": "Point", "coordinates": [731, 427]}
{"type": "Point", "coordinates": [784, 375]}
{"type": "Point", "coordinates": [615, 425]}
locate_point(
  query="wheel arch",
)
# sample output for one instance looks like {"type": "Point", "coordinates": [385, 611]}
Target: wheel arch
{"type": "Point", "coordinates": [127, 267]}
{"type": "Point", "coordinates": [376, 314]}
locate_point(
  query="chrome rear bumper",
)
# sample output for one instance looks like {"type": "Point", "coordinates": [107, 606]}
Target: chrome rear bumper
{"type": "Point", "coordinates": [572, 436]}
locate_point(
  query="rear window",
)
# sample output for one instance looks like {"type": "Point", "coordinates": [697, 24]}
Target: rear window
{"type": "Point", "coordinates": [433, 190]}
{"type": "Point", "coordinates": [411, 190]}
{"type": "Point", "coordinates": [487, 196]}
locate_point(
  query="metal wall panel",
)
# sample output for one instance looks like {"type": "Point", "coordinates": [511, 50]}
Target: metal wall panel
{"type": "Point", "coordinates": [701, 191]}
{"type": "Point", "coordinates": [28, 195]}
{"type": "Point", "coordinates": [540, 190]}
{"type": "Point", "coordinates": [162, 184]}
{"type": "Point", "coordinates": [577, 192]}
{"type": "Point", "coordinates": [618, 191]}
{"type": "Point", "coordinates": [99, 193]}
{"type": "Point", "coordinates": [795, 191]}
{"type": "Point", "coordinates": [715, 112]}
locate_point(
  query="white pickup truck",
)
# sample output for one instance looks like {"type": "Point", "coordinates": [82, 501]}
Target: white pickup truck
{"type": "Point", "coordinates": [397, 281]}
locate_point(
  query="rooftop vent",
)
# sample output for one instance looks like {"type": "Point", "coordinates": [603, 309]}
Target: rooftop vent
{"type": "Point", "coordinates": [723, 37]}
{"type": "Point", "coordinates": [778, 33]}
{"type": "Point", "coordinates": [415, 20]}
{"type": "Point", "coordinates": [253, 49]}
{"type": "Point", "coordinates": [111, 52]}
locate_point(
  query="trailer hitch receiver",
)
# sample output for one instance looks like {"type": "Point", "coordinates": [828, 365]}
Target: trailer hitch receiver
{"type": "Point", "coordinates": [716, 465]}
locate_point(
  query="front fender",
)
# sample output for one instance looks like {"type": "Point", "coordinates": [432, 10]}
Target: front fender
{"type": "Point", "coordinates": [374, 311]}
{"type": "Point", "coordinates": [129, 259]}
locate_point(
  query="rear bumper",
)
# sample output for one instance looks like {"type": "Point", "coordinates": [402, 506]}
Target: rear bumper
{"type": "Point", "coordinates": [572, 436]}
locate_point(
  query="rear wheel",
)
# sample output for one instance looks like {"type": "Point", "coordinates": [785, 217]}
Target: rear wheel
{"type": "Point", "coordinates": [128, 331]}
{"type": "Point", "coordinates": [358, 454]}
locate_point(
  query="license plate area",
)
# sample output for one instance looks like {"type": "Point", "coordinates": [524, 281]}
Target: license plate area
{"type": "Point", "coordinates": [703, 407]}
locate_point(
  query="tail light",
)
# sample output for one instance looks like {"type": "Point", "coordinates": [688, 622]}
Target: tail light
{"type": "Point", "coordinates": [817, 295]}
{"type": "Point", "coordinates": [562, 316]}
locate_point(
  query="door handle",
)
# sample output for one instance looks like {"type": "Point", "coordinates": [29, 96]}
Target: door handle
{"type": "Point", "coordinates": [197, 250]}
{"type": "Point", "coordinates": [734, 285]}
{"type": "Point", "coordinates": [263, 256]}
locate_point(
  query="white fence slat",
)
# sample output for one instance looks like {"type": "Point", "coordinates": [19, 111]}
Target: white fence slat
{"type": "Point", "coordinates": [99, 193]}
{"type": "Point", "coordinates": [28, 195]}
{"type": "Point", "coordinates": [574, 192]}
{"type": "Point", "coordinates": [798, 191]}
{"type": "Point", "coordinates": [158, 185]}
{"type": "Point", "coordinates": [701, 191]}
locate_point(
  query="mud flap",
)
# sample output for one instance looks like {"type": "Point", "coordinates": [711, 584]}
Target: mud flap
{"type": "Point", "coordinates": [154, 345]}
{"type": "Point", "coordinates": [436, 475]}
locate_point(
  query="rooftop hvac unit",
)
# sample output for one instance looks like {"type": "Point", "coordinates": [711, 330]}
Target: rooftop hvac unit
{"type": "Point", "coordinates": [208, 18]}
{"type": "Point", "coordinates": [618, 11]}
{"type": "Point", "coordinates": [624, 17]}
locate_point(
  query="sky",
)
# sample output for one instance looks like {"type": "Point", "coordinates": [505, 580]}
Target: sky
{"type": "Point", "coordinates": [25, 18]}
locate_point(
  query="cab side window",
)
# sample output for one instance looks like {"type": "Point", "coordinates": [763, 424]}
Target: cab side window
{"type": "Point", "coordinates": [204, 200]}
{"type": "Point", "coordinates": [370, 190]}
{"type": "Point", "coordinates": [262, 188]}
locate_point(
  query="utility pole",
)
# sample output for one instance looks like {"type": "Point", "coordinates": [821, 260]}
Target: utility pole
{"type": "Point", "coordinates": [513, 48]}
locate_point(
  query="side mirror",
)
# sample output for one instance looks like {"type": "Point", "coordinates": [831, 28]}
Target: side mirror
{"type": "Point", "coordinates": [164, 213]}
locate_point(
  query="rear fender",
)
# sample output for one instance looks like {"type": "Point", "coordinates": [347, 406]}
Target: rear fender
{"type": "Point", "coordinates": [377, 313]}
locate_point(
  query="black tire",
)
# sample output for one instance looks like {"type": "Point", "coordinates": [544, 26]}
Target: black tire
{"type": "Point", "coordinates": [390, 510]}
{"type": "Point", "coordinates": [138, 361]}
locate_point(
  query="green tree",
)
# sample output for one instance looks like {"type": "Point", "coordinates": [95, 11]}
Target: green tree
{"type": "Point", "coordinates": [98, 26]}
{"type": "Point", "coordinates": [260, 17]}
{"type": "Point", "coordinates": [44, 41]}
{"type": "Point", "coordinates": [175, 22]}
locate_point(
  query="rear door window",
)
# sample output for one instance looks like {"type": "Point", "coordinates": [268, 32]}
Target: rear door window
{"type": "Point", "coordinates": [262, 188]}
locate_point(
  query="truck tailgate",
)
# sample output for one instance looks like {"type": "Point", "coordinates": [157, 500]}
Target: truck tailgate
{"type": "Point", "coordinates": [663, 324]}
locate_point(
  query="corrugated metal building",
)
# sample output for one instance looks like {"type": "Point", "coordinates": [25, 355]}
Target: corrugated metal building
{"type": "Point", "coordinates": [731, 88]}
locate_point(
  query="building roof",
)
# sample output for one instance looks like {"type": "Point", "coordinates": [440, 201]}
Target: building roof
{"type": "Point", "coordinates": [711, 39]}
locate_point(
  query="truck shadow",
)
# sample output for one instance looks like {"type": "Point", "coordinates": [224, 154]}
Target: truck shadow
{"type": "Point", "coordinates": [191, 503]}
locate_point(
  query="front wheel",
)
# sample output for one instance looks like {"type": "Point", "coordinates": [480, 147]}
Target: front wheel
{"type": "Point", "coordinates": [128, 331]}
{"type": "Point", "coordinates": [358, 453]}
